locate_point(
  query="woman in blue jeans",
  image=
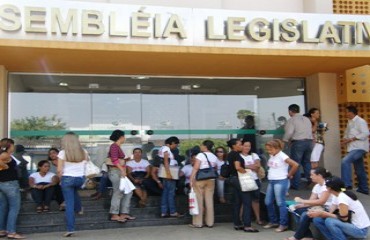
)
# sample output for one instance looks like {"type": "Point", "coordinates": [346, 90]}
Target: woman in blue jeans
{"type": "Point", "coordinates": [320, 196]}
{"type": "Point", "coordinates": [349, 221]}
{"type": "Point", "coordinates": [10, 198]}
{"type": "Point", "coordinates": [71, 169]}
{"type": "Point", "coordinates": [278, 176]}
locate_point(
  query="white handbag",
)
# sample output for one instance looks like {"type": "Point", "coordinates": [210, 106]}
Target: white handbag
{"type": "Point", "coordinates": [173, 169]}
{"type": "Point", "coordinates": [91, 170]}
{"type": "Point", "coordinates": [247, 183]}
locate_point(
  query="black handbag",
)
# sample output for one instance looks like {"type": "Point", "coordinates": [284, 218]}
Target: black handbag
{"type": "Point", "coordinates": [206, 173]}
{"type": "Point", "coordinates": [225, 170]}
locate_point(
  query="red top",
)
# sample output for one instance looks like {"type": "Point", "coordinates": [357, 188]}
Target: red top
{"type": "Point", "coordinates": [115, 153]}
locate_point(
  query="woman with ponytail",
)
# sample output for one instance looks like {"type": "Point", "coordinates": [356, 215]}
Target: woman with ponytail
{"type": "Point", "coordinates": [350, 220]}
{"type": "Point", "coordinates": [320, 196]}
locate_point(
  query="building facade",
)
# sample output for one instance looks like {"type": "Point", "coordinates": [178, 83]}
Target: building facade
{"type": "Point", "coordinates": [189, 68]}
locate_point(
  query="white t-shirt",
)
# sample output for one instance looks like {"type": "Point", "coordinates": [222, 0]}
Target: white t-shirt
{"type": "Point", "coordinates": [319, 189]}
{"type": "Point", "coordinates": [278, 168]}
{"type": "Point", "coordinates": [203, 159]}
{"type": "Point", "coordinates": [42, 179]}
{"type": "Point", "coordinates": [138, 166]}
{"type": "Point", "coordinates": [219, 164]}
{"type": "Point", "coordinates": [359, 216]}
{"type": "Point", "coordinates": [249, 160]}
{"type": "Point", "coordinates": [187, 169]}
{"type": "Point", "coordinates": [165, 149]}
{"type": "Point", "coordinates": [73, 169]}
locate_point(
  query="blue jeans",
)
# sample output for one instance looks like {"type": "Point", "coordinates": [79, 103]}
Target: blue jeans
{"type": "Point", "coordinates": [357, 158]}
{"type": "Point", "coordinates": [276, 190]}
{"type": "Point", "coordinates": [168, 197]}
{"type": "Point", "coordinates": [333, 228]}
{"type": "Point", "coordinates": [10, 203]}
{"type": "Point", "coordinates": [303, 228]}
{"type": "Point", "coordinates": [300, 152]}
{"type": "Point", "coordinates": [70, 187]}
{"type": "Point", "coordinates": [241, 199]}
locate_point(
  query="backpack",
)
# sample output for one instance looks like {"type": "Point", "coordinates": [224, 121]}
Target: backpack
{"type": "Point", "coordinates": [225, 170]}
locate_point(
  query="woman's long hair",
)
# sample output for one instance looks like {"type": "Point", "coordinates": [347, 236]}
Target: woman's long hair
{"type": "Point", "coordinates": [72, 147]}
{"type": "Point", "coordinates": [5, 144]}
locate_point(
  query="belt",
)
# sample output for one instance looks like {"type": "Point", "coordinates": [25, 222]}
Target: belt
{"type": "Point", "coordinates": [301, 140]}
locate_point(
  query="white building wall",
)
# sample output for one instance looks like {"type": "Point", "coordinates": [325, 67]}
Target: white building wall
{"type": "Point", "coordinates": [304, 6]}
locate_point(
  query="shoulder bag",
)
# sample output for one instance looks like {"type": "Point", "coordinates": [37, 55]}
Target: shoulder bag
{"type": "Point", "coordinates": [173, 169]}
{"type": "Point", "coordinates": [206, 173]}
{"type": "Point", "coordinates": [247, 183]}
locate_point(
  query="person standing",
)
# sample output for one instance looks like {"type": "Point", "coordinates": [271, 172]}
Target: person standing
{"type": "Point", "coordinates": [281, 169]}
{"type": "Point", "coordinates": [168, 204]}
{"type": "Point", "coordinates": [204, 189]}
{"type": "Point", "coordinates": [10, 197]}
{"type": "Point", "coordinates": [120, 203]}
{"type": "Point", "coordinates": [220, 183]}
{"type": "Point", "coordinates": [356, 138]}
{"type": "Point", "coordinates": [298, 131]}
{"type": "Point", "coordinates": [71, 170]}
{"type": "Point", "coordinates": [249, 124]}
{"type": "Point", "coordinates": [242, 200]}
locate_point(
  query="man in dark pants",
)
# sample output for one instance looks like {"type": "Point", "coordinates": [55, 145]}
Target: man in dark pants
{"type": "Point", "coordinates": [298, 132]}
{"type": "Point", "coordinates": [356, 137]}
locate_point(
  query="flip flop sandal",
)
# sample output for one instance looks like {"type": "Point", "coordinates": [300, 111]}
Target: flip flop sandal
{"type": "Point", "coordinates": [46, 209]}
{"type": "Point", "coordinates": [15, 236]}
{"type": "Point", "coordinates": [130, 218]}
{"type": "Point", "coordinates": [195, 226]}
{"type": "Point", "coordinates": [120, 220]}
{"type": "Point", "coordinates": [39, 209]}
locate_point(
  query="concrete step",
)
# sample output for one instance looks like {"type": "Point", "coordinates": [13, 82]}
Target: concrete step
{"type": "Point", "coordinates": [106, 224]}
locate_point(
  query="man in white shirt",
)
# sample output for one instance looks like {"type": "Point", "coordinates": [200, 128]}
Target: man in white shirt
{"type": "Point", "coordinates": [356, 137]}
{"type": "Point", "coordinates": [298, 132]}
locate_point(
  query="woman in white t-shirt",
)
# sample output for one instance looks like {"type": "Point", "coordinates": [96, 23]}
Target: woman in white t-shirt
{"type": "Point", "coordinates": [278, 177]}
{"type": "Point", "coordinates": [42, 185]}
{"type": "Point", "coordinates": [252, 161]}
{"type": "Point", "coordinates": [71, 170]}
{"type": "Point", "coordinates": [204, 189]}
{"type": "Point", "coordinates": [351, 219]}
{"type": "Point", "coordinates": [221, 158]}
{"type": "Point", "coordinates": [320, 196]}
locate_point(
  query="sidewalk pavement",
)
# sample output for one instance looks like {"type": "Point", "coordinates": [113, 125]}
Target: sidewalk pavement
{"type": "Point", "coordinates": [220, 231]}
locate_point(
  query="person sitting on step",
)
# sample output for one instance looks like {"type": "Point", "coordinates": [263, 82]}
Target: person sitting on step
{"type": "Point", "coordinates": [138, 172]}
{"type": "Point", "coordinates": [42, 185]}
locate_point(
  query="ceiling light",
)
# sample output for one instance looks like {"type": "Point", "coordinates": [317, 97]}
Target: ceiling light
{"type": "Point", "coordinates": [140, 77]}
{"type": "Point", "coordinates": [63, 84]}
{"type": "Point", "coordinates": [186, 87]}
{"type": "Point", "coordinates": [196, 86]}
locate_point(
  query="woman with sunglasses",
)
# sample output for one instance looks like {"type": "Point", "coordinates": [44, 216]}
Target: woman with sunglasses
{"type": "Point", "coordinates": [221, 157]}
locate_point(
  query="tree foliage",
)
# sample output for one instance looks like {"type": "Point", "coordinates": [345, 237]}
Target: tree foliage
{"type": "Point", "coordinates": [242, 113]}
{"type": "Point", "coordinates": [34, 123]}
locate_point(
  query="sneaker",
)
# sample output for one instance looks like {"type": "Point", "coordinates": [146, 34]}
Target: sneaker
{"type": "Point", "coordinates": [271, 225]}
{"type": "Point", "coordinates": [281, 228]}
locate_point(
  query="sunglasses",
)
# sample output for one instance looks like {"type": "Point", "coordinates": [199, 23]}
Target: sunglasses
{"type": "Point", "coordinates": [219, 151]}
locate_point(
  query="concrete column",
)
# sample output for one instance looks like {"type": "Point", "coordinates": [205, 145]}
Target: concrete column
{"type": "Point", "coordinates": [322, 93]}
{"type": "Point", "coordinates": [318, 6]}
{"type": "Point", "coordinates": [3, 102]}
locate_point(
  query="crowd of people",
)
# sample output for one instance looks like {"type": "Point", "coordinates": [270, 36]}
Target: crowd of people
{"type": "Point", "coordinates": [332, 207]}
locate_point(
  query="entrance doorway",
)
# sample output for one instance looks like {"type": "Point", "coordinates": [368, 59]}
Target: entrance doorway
{"type": "Point", "coordinates": [149, 110]}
